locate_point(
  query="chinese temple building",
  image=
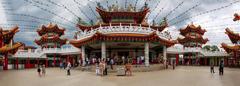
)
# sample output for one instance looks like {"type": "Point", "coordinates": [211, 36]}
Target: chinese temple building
{"type": "Point", "coordinates": [51, 38]}
{"type": "Point", "coordinates": [7, 45]}
{"type": "Point", "coordinates": [123, 35]}
{"type": "Point", "coordinates": [193, 38]}
{"type": "Point", "coordinates": [234, 49]}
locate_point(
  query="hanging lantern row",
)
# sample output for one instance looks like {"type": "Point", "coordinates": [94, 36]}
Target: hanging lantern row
{"type": "Point", "coordinates": [82, 10]}
{"type": "Point", "coordinates": [155, 7]}
{"type": "Point", "coordinates": [46, 10]}
{"type": "Point", "coordinates": [38, 18]}
{"type": "Point", "coordinates": [193, 7]}
{"type": "Point", "coordinates": [205, 12]}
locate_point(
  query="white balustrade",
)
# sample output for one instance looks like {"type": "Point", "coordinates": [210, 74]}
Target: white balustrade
{"type": "Point", "coordinates": [199, 50]}
{"type": "Point", "coordinates": [40, 53]}
{"type": "Point", "coordinates": [122, 29]}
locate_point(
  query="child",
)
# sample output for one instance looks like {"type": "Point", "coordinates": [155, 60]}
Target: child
{"type": "Point", "coordinates": [43, 70]}
{"type": "Point", "coordinates": [97, 70]}
{"type": "Point", "coordinates": [39, 71]}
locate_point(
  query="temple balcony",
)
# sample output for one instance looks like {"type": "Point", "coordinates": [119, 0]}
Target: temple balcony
{"type": "Point", "coordinates": [122, 29]}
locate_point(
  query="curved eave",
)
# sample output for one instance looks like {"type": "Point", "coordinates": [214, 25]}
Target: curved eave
{"type": "Point", "coordinates": [6, 33]}
{"type": "Point", "coordinates": [54, 28]}
{"type": "Point", "coordinates": [192, 28]}
{"type": "Point", "coordinates": [236, 17]}
{"type": "Point", "coordinates": [153, 37]}
{"type": "Point", "coordinates": [7, 49]}
{"type": "Point", "coordinates": [87, 28]}
{"type": "Point", "coordinates": [229, 49]}
{"type": "Point", "coordinates": [234, 37]}
{"type": "Point", "coordinates": [139, 16]}
{"type": "Point", "coordinates": [189, 39]}
{"type": "Point", "coordinates": [57, 39]}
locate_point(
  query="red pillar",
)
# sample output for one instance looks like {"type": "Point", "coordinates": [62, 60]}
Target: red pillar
{"type": "Point", "coordinates": [60, 60]}
{"type": "Point", "coordinates": [5, 65]}
{"type": "Point", "coordinates": [37, 61]}
{"type": "Point", "coordinates": [46, 62]}
{"type": "Point", "coordinates": [28, 62]}
{"type": "Point", "coordinates": [67, 58]}
{"type": "Point", "coordinates": [197, 59]}
{"type": "Point", "coordinates": [177, 59]}
{"type": "Point", "coordinates": [189, 59]}
{"type": "Point", "coordinates": [16, 64]}
{"type": "Point", "coordinates": [225, 61]}
{"type": "Point", "coordinates": [54, 60]}
{"type": "Point", "coordinates": [200, 61]}
{"type": "Point", "coordinates": [235, 57]}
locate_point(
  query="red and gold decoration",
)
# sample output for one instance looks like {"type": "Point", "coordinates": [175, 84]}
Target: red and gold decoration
{"type": "Point", "coordinates": [233, 49]}
{"type": "Point", "coordinates": [193, 36]}
{"type": "Point", "coordinates": [153, 37]}
{"type": "Point", "coordinates": [120, 17]}
{"type": "Point", "coordinates": [50, 36]}
{"type": "Point", "coordinates": [7, 45]}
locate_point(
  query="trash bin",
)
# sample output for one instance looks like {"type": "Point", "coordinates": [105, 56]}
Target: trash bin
{"type": "Point", "coordinates": [120, 71]}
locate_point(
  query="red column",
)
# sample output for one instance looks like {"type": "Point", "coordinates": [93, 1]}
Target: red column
{"type": "Point", "coordinates": [28, 62]}
{"type": "Point", "coordinates": [37, 61]}
{"type": "Point", "coordinates": [5, 65]}
{"type": "Point", "coordinates": [200, 61]}
{"type": "Point", "coordinates": [235, 57]}
{"type": "Point", "coordinates": [197, 58]}
{"type": "Point", "coordinates": [225, 61]}
{"type": "Point", "coordinates": [1, 41]}
{"type": "Point", "coordinates": [67, 59]}
{"type": "Point", "coordinates": [177, 59]}
{"type": "Point", "coordinates": [54, 60]}
{"type": "Point", "coordinates": [16, 63]}
{"type": "Point", "coordinates": [60, 60]}
{"type": "Point", "coordinates": [46, 62]}
{"type": "Point", "coordinates": [188, 59]}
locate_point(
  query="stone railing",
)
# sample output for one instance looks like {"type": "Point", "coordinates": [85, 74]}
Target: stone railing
{"type": "Point", "coordinates": [122, 29]}
{"type": "Point", "coordinates": [199, 50]}
{"type": "Point", "coordinates": [40, 53]}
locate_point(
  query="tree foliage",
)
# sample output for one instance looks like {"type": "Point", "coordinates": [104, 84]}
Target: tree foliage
{"type": "Point", "coordinates": [211, 48]}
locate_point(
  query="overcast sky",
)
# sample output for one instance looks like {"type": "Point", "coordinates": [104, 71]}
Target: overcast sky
{"type": "Point", "coordinates": [212, 15]}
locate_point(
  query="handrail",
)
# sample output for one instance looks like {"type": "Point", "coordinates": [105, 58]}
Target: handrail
{"type": "Point", "coordinates": [122, 29]}
{"type": "Point", "coordinates": [38, 53]}
{"type": "Point", "coordinates": [200, 50]}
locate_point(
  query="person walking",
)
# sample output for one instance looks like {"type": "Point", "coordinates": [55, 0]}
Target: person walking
{"type": "Point", "coordinates": [60, 65]}
{"type": "Point", "coordinates": [105, 68]}
{"type": "Point", "coordinates": [128, 69]}
{"type": "Point", "coordinates": [97, 69]}
{"type": "Point", "coordinates": [68, 68]}
{"type": "Point", "coordinates": [173, 65]}
{"type": "Point", "coordinates": [138, 61]}
{"type": "Point", "coordinates": [39, 71]}
{"type": "Point", "coordinates": [101, 68]}
{"type": "Point", "coordinates": [142, 59]}
{"type": "Point", "coordinates": [212, 68]}
{"type": "Point", "coordinates": [43, 70]}
{"type": "Point", "coordinates": [221, 66]}
{"type": "Point", "coordinates": [111, 63]}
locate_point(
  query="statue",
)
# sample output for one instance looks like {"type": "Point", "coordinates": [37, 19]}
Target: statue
{"type": "Point", "coordinates": [130, 8]}
{"type": "Point", "coordinates": [164, 22]}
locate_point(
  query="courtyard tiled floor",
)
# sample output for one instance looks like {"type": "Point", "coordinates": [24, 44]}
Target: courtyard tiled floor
{"type": "Point", "coordinates": [182, 76]}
